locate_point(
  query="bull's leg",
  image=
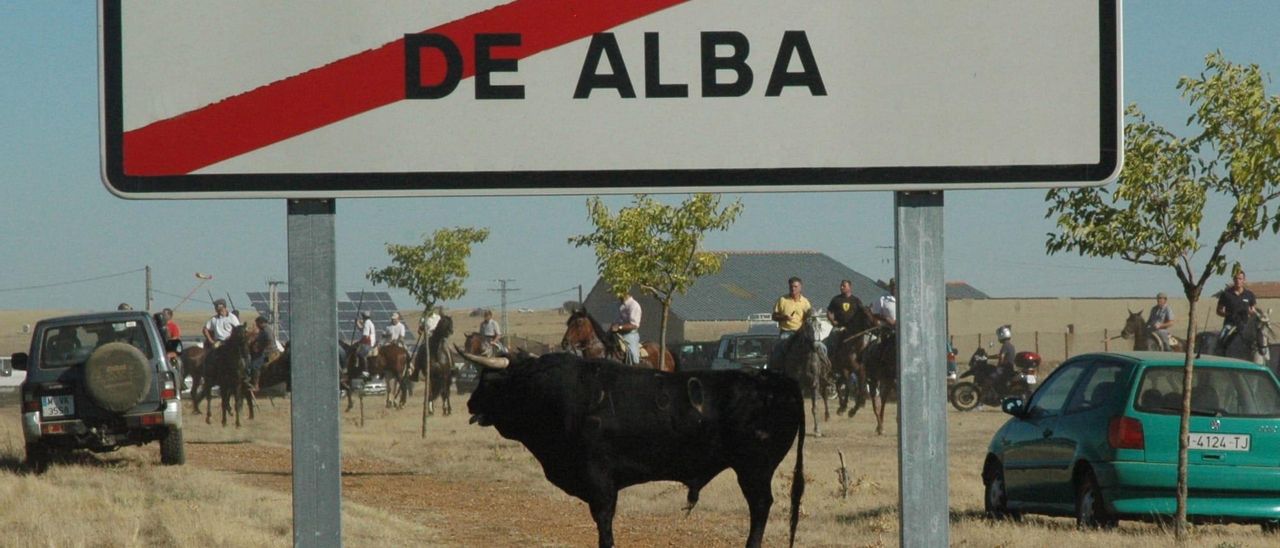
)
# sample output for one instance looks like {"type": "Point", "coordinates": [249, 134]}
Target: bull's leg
{"type": "Point", "coordinates": [602, 510]}
{"type": "Point", "coordinates": [755, 487]}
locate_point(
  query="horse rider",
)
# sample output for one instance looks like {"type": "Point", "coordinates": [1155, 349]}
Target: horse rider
{"type": "Point", "coordinates": [1160, 319]}
{"type": "Point", "coordinates": [1235, 304]}
{"type": "Point", "coordinates": [627, 326]}
{"type": "Point", "coordinates": [790, 312]}
{"type": "Point", "coordinates": [218, 328]}
{"type": "Point", "coordinates": [885, 308]}
{"type": "Point", "coordinates": [840, 312]}
{"type": "Point", "coordinates": [259, 348]}
{"type": "Point", "coordinates": [395, 331]}
{"type": "Point", "coordinates": [491, 334]}
{"type": "Point", "coordinates": [368, 338]}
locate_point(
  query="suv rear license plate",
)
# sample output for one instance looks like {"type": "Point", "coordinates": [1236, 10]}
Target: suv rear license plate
{"type": "Point", "coordinates": [1219, 442]}
{"type": "Point", "coordinates": [57, 406]}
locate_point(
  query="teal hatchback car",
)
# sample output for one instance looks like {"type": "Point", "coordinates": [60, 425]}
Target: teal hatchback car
{"type": "Point", "coordinates": [1099, 441]}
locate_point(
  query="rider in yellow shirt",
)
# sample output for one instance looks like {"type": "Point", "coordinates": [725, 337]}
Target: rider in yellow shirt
{"type": "Point", "coordinates": [790, 313]}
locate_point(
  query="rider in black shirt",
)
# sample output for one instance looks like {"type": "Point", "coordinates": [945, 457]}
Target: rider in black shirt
{"type": "Point", "coordinates": [840, 311]}
{"type": "Point", "coordinates": [1235, 304]}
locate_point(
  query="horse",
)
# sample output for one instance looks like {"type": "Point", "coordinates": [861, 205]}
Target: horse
{"type": "Point", "coordinates": [224, 367]}
{"type": "Point", "coordinates": [847, 369]}
{"type": "Point", "coordinates": [192, 358]}
{"type": "Point", "coordinates": [802, 359]}
{"type": "Point", "coordinates": [434, 357]}
{"type": "Point", "coordinates": [1251, 342]}
{"type": "Point", "coordinates": [392, 362]}
{"type": "Point", "coordinates": [1145, 338]}
{"type": "Point", "coordinates": [582, 337]}
{"type": "Point", "coordinates": [880, 357]}
{"type": "Point", "coordinates": [277, 370]}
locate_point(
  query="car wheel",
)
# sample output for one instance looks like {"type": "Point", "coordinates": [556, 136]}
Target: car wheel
{"type": "Point", "coordinates": [996, 498]}
{"type": "Point", "coordinates": [1091, 510]}
{"type": "Point", "coordinates": [117, 376]}
{"type": "Point", "coordinates": [38, 457]}
{"type": "Point", "coordinates": [965, 396]}
{"type": "Point", "coordinates": [172, 451]}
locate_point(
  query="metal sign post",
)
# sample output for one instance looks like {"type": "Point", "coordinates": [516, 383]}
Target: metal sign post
{"type": "Point", "coordinates": [922, 377]}
{"type": "Point", "coordinates": [313, 321]}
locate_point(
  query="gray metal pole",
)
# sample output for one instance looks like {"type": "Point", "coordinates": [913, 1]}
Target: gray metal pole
{"type": "Point", "coordinates": [313, 324]}
{"type": "Point", "coordinates": [922, 377]}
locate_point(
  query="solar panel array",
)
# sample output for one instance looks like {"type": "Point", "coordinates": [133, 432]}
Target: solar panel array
{"type": "Point", "coordinates": [378, 304]}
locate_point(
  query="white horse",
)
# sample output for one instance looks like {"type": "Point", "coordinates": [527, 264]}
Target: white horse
{"type": "Point", "coordinates": [1252, 341]}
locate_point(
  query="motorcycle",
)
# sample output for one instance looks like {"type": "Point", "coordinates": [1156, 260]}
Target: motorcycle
{"type": "Point", "coordinates": [982, 389]}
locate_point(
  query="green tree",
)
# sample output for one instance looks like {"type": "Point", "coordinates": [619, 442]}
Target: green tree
{"type": "Point", "coordinates": [1154, 214]}
{"type": "Point", "coordinates": [656, 246]}
{"type": "Point", "coordinates": [434, 270]}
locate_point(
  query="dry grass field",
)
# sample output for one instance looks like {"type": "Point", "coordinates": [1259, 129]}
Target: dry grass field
{"type": "Point", "coordinates": [463, 485]}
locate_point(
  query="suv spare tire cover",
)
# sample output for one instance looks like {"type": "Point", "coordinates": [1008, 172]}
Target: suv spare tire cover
{"type": "Point", "coordinates": [117, 376]}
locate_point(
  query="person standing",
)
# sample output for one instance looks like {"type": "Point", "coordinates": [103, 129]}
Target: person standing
{"type": "Point", "coordinates": [1235, 305]}
{"type": "Point", "coordinates": [627, 325]}
{"type": "Point", "coordinates": [219, 327]}
{"type": "Point", "coordinates": [790, 312]}
{"type": "Point", "coordinates": [1005, 366]}
{"type": "Point", "coordinates": [491, 333]}
{"type": "Point", "coordinates": [1160, 319]}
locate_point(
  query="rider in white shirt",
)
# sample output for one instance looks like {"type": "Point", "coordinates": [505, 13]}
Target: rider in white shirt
{"type": "Point", "coordinates": [218, 328]}
{"type": "Point", "coordinates": [395, 331]}
{"type": "Point", "coordinates": [886, 307]}
{"type": "Point", "coordinates": [368, 338]}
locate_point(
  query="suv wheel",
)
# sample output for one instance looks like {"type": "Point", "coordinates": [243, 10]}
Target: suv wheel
{"type": "Point", "coordinates": [117, 376]}
{"type": "Point", "coordinates": [38, 457]}
{"type": "Point", "coordinates": [171, 449]}
{"type": "Point", "coordinates": [1091, 511]}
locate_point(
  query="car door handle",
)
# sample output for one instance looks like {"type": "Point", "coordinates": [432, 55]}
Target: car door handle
{"type": "Point", "coordinates": [1048, 432]}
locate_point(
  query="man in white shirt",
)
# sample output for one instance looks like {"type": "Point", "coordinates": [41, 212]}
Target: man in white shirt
{"type": "Point", "coordinates": [218, 328]}
{"type": "Point", "coordinates": [628, 326]}
{"type": "Point", "coordinates": [886, 307]}
{"type": "Point", "coordinates": [368, 338]}
{"type": "Point", "coordinates": [395, 331]}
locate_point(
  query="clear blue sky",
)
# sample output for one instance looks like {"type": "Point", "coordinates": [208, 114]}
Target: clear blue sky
{"type": "Point", "coordinates": [59, 225]}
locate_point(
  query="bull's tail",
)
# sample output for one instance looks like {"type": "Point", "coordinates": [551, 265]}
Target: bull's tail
{"type": "Point", "coordinates": [797, 481]}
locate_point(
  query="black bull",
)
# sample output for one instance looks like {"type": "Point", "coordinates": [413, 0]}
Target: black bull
{"type": "Point", "coordinates": [597, 427]}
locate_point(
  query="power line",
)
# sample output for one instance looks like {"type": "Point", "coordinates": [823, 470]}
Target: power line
{"type": "Point", "coordinates": [71, 282]}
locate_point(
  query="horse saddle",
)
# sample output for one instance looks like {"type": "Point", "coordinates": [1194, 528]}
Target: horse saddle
{"type": "Point", "coordinates": [624, 345]}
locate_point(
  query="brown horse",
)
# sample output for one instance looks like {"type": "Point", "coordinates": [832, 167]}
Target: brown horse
{"type": "Point", "coordinates": [802, 359]}
{"type": "Point", "coordinates": [582, 337]}
{"type": "Point", "coordinates": [277, 370]}
{"type": "Point", "coordinates": [881, 361]}
{"type": "Point", "coordinates": [392, 363]}
{"type": "Point", "coordinates": [192, 358]}
{"type": "Point", "coordinates": [433, 356]}
{"type": "Point", "coordinates": [848, 371]}
{"type": "Point", "coordinates": [225, 367]}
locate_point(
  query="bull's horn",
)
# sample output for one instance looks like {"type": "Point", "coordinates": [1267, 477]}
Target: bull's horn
{"type": "Point", "coordinates": [491, 363]}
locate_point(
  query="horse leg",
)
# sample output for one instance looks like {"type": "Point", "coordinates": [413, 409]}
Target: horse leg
{"type": "Point", "coordinates": [813, 413]}
{"type": "Point", "coordinates": [877, 406]}
{"type": "Point", "coordinates": [208, 403]}
{"type": "Point", "coordinates": [822, 393]}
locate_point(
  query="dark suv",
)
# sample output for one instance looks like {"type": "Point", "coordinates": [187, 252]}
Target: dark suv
{"type": "Point", "coordinates": [99, 382]}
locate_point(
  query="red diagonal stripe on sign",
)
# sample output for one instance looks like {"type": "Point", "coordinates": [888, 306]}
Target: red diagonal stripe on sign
{"type": "Point", "coordinates": [354, 85]}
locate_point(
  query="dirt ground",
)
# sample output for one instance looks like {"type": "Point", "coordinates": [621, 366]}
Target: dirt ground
{"type": "Point", "coordinates": [467, 513]}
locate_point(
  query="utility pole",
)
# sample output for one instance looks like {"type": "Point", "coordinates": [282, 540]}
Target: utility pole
{"type": "Point", "coordinates": [148, 298]}
{"type": "Point", "coordinates": [273, 296]}
{"type": "Point", "coordinates": [503, 289]}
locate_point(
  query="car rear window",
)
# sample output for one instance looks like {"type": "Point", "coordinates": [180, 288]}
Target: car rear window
{"type": "Point", "coordinates": [1214, 392]}
{"type": "Point", "coordinates": [73, 344]}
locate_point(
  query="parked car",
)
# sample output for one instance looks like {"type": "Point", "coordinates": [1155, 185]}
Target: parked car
{"type": "Point", "coordinates": [742, 350]}
{"type": "Point", "coordinates": [1099, 441]}
{"type": "Point", "coordinates": [99, 382]}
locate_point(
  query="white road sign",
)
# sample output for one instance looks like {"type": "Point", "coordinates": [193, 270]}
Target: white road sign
{"type": "Point", "coordinates": [333, 98]}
